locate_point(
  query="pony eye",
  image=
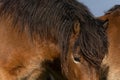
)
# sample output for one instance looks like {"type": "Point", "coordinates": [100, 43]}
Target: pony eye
{"type": "Point", "coordinates": [77, 59]}
{"type": "Point", "coordinates": [76, 55]}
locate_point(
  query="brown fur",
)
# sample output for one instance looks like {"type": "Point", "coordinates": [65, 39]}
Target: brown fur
{"type": "Point", "coordinates": [35, 31]}
{"type": "Point", "coordinates": [113, 58]}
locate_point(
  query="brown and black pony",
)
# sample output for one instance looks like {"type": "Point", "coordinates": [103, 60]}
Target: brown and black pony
{"type": "Point", "coordinates": [112, 60]}
{"type": "Point", "coordinates": [34, 33]}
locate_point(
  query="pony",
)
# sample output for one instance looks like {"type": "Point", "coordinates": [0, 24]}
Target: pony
{"type": "Point", "coordinates": [112, 60]}
{"type": "Point", "coordinates": [34, 33]}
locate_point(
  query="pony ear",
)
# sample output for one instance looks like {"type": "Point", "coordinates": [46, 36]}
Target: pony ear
{"type": "Point", "coordinates": [76, 27]}
{"type": "Point", "coordinates": [75, 33]}
{"type": "Point", "coordinates": [105, 24]}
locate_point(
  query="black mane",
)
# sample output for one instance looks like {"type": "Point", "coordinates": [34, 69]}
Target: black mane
{"type": "Point", "coordinates": [113, 9]}
{"type": "Point", "coordinates": [55, 19]}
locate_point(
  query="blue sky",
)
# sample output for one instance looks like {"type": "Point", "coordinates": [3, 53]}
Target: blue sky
{"type": "Point", "coordinates": [98, 7]}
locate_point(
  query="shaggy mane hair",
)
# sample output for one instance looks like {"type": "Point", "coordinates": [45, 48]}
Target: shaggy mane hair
{"type": "Point", "coordinates": [55, 19]}
{"type": "Point", "coordinates": [113, 9]}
